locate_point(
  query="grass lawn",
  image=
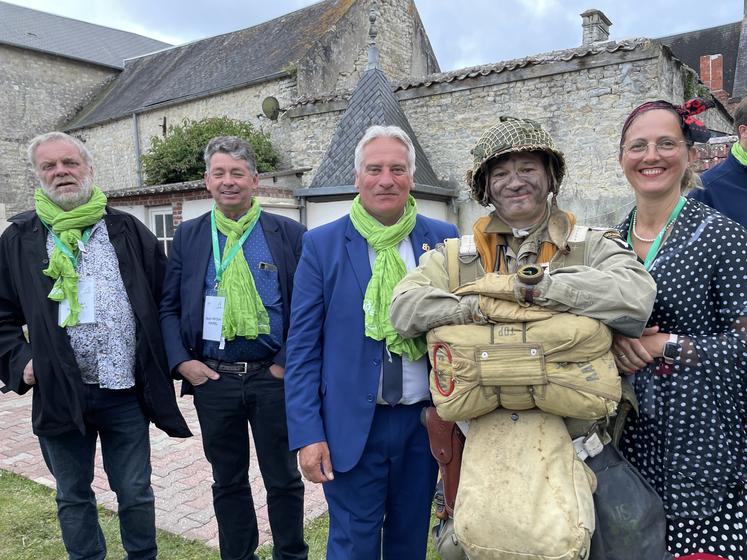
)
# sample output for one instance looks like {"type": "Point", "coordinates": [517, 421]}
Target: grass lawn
{"type": "Point", "coordinates": [29, 529]}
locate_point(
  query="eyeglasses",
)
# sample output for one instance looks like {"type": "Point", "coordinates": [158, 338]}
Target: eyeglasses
{"type": "Point", "coordinates": [665, 147]}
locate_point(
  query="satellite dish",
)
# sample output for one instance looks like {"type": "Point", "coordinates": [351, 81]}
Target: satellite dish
{"type": "Point", "coordinates": [271, 108]}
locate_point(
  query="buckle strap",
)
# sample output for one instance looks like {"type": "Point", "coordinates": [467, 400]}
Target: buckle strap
{"type": "Point", "coordinates": [235, 367]}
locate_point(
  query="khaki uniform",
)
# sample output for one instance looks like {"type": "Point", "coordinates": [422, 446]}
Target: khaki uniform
{"type": "Point", "coordinates": [599, 278]}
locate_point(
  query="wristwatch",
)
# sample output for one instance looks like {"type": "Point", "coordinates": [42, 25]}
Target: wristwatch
{"type": "Point", "coordinates": [672, 349]}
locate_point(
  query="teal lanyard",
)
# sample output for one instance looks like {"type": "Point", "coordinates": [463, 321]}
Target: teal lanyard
{"type": "Point", "coordinates": [654, 250]}
{"type": "Point", "coordinates": [220, 267]}
{"type": "Point", "coordinates": [64, 248]}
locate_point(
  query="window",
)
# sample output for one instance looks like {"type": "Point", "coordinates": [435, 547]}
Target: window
{"type": "Point", "coordinates": [162, 224]}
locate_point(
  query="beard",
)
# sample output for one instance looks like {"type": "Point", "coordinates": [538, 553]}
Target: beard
{"type": "Point", "coordinates": [70, 200]}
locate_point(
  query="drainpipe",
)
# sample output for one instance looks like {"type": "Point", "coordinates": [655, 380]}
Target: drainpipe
{"type": "Point", "coordinates": [136, 140]}
{"type": "Point", "coordinates": [302, 209]}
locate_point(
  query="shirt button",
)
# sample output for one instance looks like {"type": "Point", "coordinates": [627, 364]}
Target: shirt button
{"type": "Point", "coordinates": [45, 261]}
{"type": "Point", "coordinates": [370, 398]}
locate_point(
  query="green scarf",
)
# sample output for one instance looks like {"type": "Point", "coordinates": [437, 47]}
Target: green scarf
{"type": "Point", "coordinates": [739, 152]}
{"type": "Point", "coordinates": [68, 226]}
{"type": "Point", "coordinates": [243, 315]}
{"type": "Point", "coordinates": [388, 269]}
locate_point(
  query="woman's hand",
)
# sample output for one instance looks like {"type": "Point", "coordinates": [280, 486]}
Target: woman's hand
{"type": "Point", "coordinates": [632, 354]}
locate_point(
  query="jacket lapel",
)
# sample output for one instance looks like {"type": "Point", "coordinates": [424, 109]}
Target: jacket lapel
{"type": "Point", "coordinates": [358, 254]}
{"type": "Point", "coordinates": [421, 239]}
{"type": "Point", "coordinates": [35, 249]}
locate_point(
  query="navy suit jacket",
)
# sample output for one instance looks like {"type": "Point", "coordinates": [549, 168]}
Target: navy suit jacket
{"type": "Point", "coordinates": [332, 370]}
{"type": "Point", "coordinates": [182, 304]}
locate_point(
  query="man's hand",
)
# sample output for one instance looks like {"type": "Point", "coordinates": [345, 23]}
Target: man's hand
{"type": "Point", "coordinates": [632, 354]}
{"type": "Point", "coordinates": [28, 374]}
{"type": "Point", "coordinates": [196, 372]}
{"type": "Point", "coordinates": [316, 464]}
{"type": "Point", "coordinates": [277, 371]}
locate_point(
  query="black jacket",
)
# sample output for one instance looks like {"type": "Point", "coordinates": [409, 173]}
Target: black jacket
{"type": "Point", "coordinates": [58, 393]}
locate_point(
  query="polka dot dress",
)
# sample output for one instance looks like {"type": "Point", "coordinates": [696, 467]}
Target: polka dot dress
{"type": "Point", "coordinates": [690, 437]}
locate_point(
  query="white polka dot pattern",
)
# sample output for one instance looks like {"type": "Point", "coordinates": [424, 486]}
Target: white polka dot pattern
{"type": "Point", "coordinates": [690, 438]}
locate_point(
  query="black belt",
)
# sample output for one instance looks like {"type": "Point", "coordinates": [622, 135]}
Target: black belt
{"type": "Point", "coordinates": [235, 367]}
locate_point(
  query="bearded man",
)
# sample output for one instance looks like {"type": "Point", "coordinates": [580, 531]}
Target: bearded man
{"type": "Point", "coordinates": [86, 280]}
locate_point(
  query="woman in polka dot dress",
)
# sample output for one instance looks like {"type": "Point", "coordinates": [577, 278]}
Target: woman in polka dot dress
{"type": "Point", "coordinates": [690, 366]}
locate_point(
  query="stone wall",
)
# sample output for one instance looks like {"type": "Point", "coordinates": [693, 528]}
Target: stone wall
{"type": "Point", "coordinates": [40, 92]}
{"type": "Point", "coordinates": [581, 101]}
{"type": "Point", "coordinates": [113, 144]}
{"type": "Point", "coordinates": [340, 60]}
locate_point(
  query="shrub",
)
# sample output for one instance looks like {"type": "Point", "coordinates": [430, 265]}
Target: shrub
{"type": "Point", "coordinates": [178, 156]}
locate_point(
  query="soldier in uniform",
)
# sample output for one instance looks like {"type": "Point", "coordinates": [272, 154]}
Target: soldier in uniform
{"type": "Point", "coordinates": [587, 272]}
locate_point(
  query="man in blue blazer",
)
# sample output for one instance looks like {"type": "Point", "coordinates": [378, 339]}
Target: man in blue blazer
{"type": "Point", "coordinates": [354, 390]}
{"type": "Point", "coordinates": [224, 319]}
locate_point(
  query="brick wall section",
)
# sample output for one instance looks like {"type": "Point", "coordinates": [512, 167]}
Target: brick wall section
{"type": "Point", "coordinates": [196, 191]}
{"type": "Point", "coordinates": [39, 93]}
{"type": "Point", "coordinates": [713, 153]}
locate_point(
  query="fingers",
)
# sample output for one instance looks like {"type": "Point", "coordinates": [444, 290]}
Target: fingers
{"type": "Point", "coordinates": [277, 371]}
{"type": "Point", "coordinates": [196, 372]}
{"type": "Point", "coordinates": [315, 462]}
{"type": "Point", "coordinates": [28, 374]}
{"type": "Point", "coordinates": [630, 355]}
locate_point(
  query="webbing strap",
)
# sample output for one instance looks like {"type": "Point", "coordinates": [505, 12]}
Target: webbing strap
{"type": "Point", "coordinates": [452, 262]}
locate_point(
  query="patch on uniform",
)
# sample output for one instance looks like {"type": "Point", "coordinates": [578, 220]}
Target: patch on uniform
{"type": "Point", "coordinates": [614, 235]}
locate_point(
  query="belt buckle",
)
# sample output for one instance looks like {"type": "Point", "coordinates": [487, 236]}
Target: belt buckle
{"type": "Point", "coordinates": [244, 364]}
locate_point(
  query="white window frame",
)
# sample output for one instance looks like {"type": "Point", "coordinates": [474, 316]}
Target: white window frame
{"type": "Point", "coordinates": [153, 213]}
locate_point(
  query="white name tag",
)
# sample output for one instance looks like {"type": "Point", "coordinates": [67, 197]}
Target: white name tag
{"type": "Point", "coordinates": [212, 322]}
{"type": "Point", "coordinates": [87, 301]}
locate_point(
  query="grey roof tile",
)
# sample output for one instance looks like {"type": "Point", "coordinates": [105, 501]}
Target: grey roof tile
{"type": "Point", "coordinates": [215, 64]}
{"type": "Point", "coordinates": [372, 102]}
{"type": "Point", "coordinates": [722, 39]}
{"type": "Point", "coordinates": [71, 38]}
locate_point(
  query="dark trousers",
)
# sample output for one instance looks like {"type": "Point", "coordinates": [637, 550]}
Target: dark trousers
{"type": "Point", "coordinates": [381, 507]}
{"type": "Point", "coordinates": [223, 408]}
{"type": "Point", "coordinates": [114, 416]}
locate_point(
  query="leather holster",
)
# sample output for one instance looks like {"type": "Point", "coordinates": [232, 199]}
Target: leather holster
{"type": "Point", "coordinates": [447, 444]}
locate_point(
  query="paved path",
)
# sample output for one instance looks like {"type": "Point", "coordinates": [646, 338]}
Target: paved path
{"type": "Point", "coordinates": [181, 475]}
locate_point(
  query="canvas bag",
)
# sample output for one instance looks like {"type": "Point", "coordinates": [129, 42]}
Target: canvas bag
{"type": "Point", "coordinates": [562, 365]}
{"type": "Point", "coordinates": [523, 494]}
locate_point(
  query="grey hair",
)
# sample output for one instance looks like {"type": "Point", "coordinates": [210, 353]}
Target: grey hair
{"type": "Point", "coordinates": [55, 136]}
{"type": "Point", "coordinates": [378, 131]}
{"type": "Point", "coordinates": [236, 147]}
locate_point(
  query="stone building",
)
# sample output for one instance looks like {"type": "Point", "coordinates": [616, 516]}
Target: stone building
{"type": "Point", "coordinates": [50, 68]}
{"type": "Point", "coordinates": [311, 62]}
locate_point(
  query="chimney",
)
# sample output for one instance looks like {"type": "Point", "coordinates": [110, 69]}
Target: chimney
{"type": "Point", "coordinates": [712, 71]}
{"type": "Point", "coordinates": [596, 27]}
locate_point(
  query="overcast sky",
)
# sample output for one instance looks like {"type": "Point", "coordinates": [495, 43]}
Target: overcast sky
{"type": "Point", "coordinates": [462, 32]}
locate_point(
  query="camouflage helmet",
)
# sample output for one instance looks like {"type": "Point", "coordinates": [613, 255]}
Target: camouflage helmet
{"type": "Point", "coordinates": [512, 135]}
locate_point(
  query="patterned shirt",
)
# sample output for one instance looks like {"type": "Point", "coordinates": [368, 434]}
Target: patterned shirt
{"type": "Point", "coordinates": [105, 349]}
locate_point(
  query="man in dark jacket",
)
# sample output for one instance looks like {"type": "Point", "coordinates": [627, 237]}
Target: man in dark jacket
{"type": "Point", "coordinates": [224, 319]}
{"type": "Point", "coordinates": [726, 184]}
{"type": "Point", "coordinates": [86, 280]}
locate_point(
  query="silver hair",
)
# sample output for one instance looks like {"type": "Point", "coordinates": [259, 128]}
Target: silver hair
{"type": "Point", "coordinates": [85, 153]}
{"type": "Point", "coordinates": [378, 131]}
{"type": "Point", "coordinates": [236, 147]}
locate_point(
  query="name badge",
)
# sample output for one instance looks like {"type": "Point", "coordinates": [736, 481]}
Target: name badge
{"type": "Point", "coordinates": [87, 301]}
{"type": "Point", "coordinates": [212, 322]}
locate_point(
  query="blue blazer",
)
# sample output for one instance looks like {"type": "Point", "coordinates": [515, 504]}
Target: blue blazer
{"type": "Point", "coordinates": [182, 304]}
{"type": "Point", "coordinates": [332, 370]}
